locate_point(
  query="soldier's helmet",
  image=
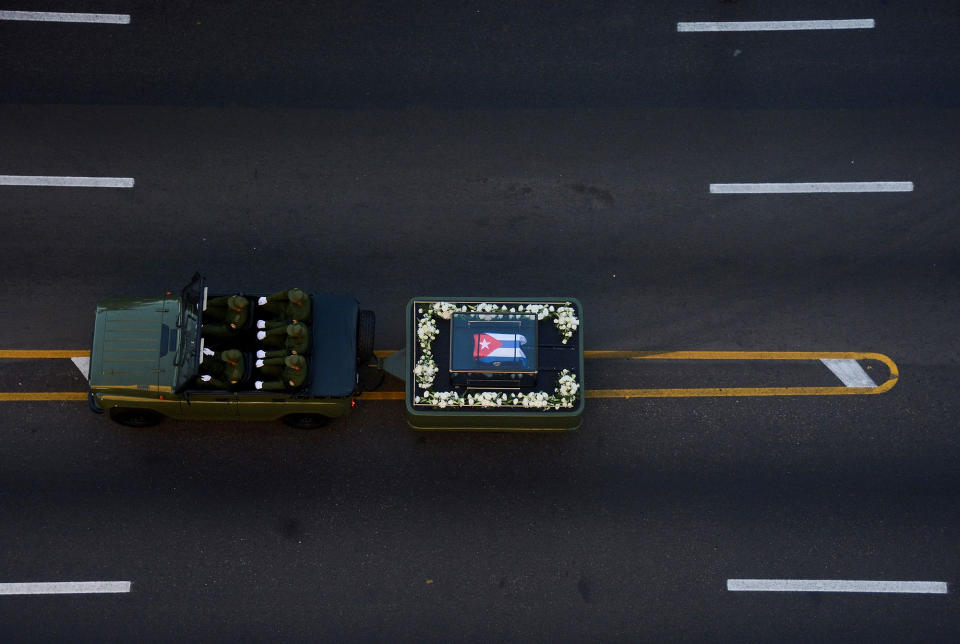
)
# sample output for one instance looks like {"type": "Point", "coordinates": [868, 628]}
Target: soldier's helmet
{"type": "Point", "coordinates": [238, 302]}
{"type": "Point", "coordinates": [296, 330]}
{"type": "Point", "coordinates": [295, 361]}
{"type": "Point", "coordinates": [234, 360]}
{"type": "Point", "coordinates": [295, 295]}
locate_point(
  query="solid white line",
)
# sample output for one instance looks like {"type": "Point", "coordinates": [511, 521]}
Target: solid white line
{"type": "Point", "coordinates": [776, 25]}
{"type": "Point", "coordinates": [837, 586]}
{"type": "Point", "coordinates": [846, 186]}
{"type": "Point", "coordinates": [850, 373]}
{"type": "Point", "coordinates": [46, 16]}
{"type": "Point", "coordinates": [66, 182]}
{"type": "Point", "coordinates": [65, 587]}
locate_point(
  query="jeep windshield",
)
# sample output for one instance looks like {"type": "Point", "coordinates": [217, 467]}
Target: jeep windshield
{"type": "Point", "coordinates": [189, 323]}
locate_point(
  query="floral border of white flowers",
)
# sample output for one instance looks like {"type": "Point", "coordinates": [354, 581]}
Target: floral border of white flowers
{"type": "Point", "coordinates": [425, 370]}
{"type": "Point", "coordinates": [564, 396]}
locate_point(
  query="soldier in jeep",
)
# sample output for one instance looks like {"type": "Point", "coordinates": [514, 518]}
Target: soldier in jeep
{"type": "Point", "coordinates": [225, 316]}
{"type": "Point", "coordinates": [290, 373]}
{"type": "Point", "coordinates": [289, 339]}
{"type": "Point", "coordinates": [292, 305]}
{"type": "Point", "coordinates": [224, 370]}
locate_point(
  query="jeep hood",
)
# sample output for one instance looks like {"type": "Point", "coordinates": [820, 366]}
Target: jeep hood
{"type": "Point", "coordinates": [135, 343]}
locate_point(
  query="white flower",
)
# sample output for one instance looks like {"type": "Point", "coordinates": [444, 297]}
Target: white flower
{"type": "Point", "coordinates": [444, 309]}
{"type": "Point", "coordinates": [566, 322]}
{"type": "Point", "coordinates": [426, 331]}
{"type": "Point", "coordinates": [425, 371]}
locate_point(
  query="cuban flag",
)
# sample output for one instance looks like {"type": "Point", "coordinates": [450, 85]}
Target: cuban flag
{"type": "Point", "coordinates": [499, 347]}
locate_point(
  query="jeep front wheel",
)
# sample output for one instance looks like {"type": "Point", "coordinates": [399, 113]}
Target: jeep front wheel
{"type": "Point", "coordinates": [135, 417]}
{"type": "Point", "coordinates": [306, 421]}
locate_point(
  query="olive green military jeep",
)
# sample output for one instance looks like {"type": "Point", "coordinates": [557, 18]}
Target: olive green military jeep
{"type": "Point", "coordinates": [147, 356]}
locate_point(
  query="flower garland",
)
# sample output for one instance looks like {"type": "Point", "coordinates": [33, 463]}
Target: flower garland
{"type": "Point", "coordinates": [565, 317]}
{"type": "Point", "coordinates": [425, 370]}
{"type": "Point", "coordinates": [564, 396]}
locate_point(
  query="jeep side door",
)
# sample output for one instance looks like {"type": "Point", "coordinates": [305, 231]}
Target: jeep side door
{"type": "Point", "coordinates": [208, 405]}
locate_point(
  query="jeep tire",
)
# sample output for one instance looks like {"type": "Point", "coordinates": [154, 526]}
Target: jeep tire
{"type": "Point", "coordinates": [133, 417]}
{"type": "Point", "coordinates": [306, 421]}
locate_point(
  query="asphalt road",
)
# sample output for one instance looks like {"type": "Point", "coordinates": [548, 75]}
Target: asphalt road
{"type": "Point", "coordinates": [493, 150]}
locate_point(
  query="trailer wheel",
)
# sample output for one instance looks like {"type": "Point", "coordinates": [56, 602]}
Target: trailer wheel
{"type": "Point", "coordinates": [306, 421]}
{"type": "Point", "coordinates": [132, 417]}
{"type": "Point", "coordinates": [366, 327]}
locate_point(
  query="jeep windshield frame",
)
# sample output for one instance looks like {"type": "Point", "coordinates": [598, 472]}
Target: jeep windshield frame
{"type": "Point", "coordinates": [189, 325]}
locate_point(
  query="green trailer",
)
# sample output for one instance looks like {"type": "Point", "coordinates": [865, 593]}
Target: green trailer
{"type": "Point", "coordinates": [499, 364]}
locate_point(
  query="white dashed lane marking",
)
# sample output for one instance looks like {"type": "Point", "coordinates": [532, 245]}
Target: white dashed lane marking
{"type": "Point", "coordinates": [65, 587]}
{"type": "Point", "coordinates": [65, 182]}
{"type": "Point", "coordinates": [850, 373]}
{"type": "Point", "coordinates": [777, 188]}
{"type": "Point", "coordinates": [837, 586]}
{"type": "Point", "coordinates": [777, 25]}
{"type": "Point", "coordinates": [48, 16]}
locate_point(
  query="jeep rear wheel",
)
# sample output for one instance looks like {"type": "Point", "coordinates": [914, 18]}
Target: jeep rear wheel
{"type": "Point", "coordinates": [306, 421]}
{"type": "Point", "coordinates": [366, 327]}
{"type": "Point", "coordinates": [135, 417]}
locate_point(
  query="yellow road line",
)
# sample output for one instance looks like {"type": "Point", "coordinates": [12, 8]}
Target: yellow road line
{"type": "Point", "coordinates": [707, 392]}
{"type": "Point", "coordinates": [381, 395]}
{"type": "Point", "coordinates": [43, 353]}
{"type": "Point", "coordinates": [593, 393]}
{"type": "Point", "coordinates": [711, 355]}
{"type": "Point", "coordinates": [31, 396]}
{"type": "Point", "coordinates": [744, 392]}
{"type": "Point", "coordinates": [600, 354]}
{"type": "Point", "coordinates": [741, 355]}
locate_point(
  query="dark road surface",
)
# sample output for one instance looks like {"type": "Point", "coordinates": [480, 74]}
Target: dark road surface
{"type": "Point", "coordinates": [493, 150]}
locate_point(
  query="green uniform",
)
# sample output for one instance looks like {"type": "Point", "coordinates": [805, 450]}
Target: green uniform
{"type": "Point", "coordinates": [225, 368]}
{"type": "Point", "coordinates": [284, 305]}
{"type": "Point", "coordinates": [286, 342]}
{"type": "Point", "coordinates": [225, 315]}
{"type": "Point", "coordinates": [287, 376]}
{"type": "Point", "coordinates": [281, 353]}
